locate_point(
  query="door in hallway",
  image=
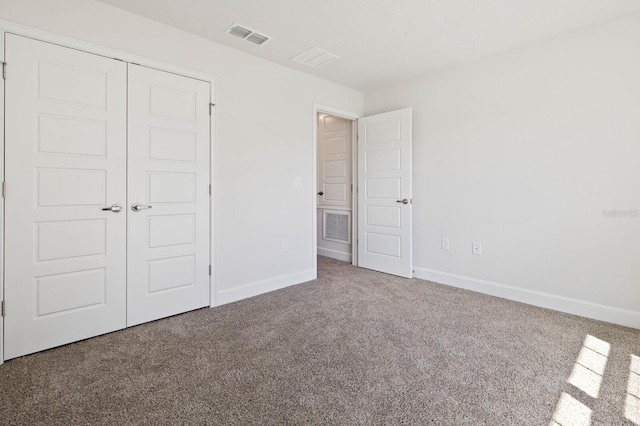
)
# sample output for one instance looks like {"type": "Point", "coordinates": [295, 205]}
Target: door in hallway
{"type": "Point", "coordinates": [334, 186]}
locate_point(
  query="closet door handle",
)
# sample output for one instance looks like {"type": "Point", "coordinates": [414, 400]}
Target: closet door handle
{"type": "Point", "coordinates": [320, 193]}
{"type": "Point", "coordinates": [116, 208]}
{"type": "Point", "coordinates": [137, 207]}
{"type": "Point", "coordinates": [403, 201]}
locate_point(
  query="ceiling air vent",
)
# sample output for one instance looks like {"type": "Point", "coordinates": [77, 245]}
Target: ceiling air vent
{"type": "Point", "coordinates": [314, 57]}
{"type": "Point", "coordinates": [257, 38]}
{"type": "Point", "coordinates": [247, 34]}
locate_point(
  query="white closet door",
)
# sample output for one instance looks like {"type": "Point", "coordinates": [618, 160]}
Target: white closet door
{"type": "Point", "coordinates": [65, 261]}
{"type": "Point", "coordinates": [384, 195]}
{"type": "Point", "coordinates": [168, 195]}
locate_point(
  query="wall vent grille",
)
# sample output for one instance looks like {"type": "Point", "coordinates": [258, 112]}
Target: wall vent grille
{"type": "Point", "coordinates": [337, 226]}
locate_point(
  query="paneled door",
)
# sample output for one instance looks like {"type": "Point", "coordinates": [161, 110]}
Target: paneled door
{"type": "Point", "coordinates": [168, 194]}
{"type": "Point", "coordinates": [65, 242]}
{"type": "Point", "coordinates": [384, 192]}
{"type": "Point", "coordinates": [334, 161]}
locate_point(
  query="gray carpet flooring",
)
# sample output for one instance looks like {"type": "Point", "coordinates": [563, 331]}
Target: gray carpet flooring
{"type": "Point", "coordinates": [354, 347]}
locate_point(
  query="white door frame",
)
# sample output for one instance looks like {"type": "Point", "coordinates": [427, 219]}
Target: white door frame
{"type": "Point", "coordinates": [45, 36]}
{"type": "Point", "coordinates": [353, 117]}
{"type": "Point", "coordinates": [2, 59]}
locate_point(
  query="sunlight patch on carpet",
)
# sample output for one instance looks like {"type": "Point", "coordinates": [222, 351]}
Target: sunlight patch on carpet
{"type": "Point", "coordinates": [632, 400]}
{"type": "Point", "coordinates": [589, 367]}
{"type": "Point", "coordinates": [586, 376]}
{"type": "Point", "coordinates": [571, 412]}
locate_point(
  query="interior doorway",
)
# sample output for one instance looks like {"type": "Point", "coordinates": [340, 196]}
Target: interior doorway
{"type": "Point", "coordinates": [334, 187]}
{"type": "Point", "coordinates": [379, 218]}
{"type": "Point", "coordinates": [335, 176]}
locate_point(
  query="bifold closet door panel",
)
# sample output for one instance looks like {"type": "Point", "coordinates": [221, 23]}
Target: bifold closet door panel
{"type": "Point", "coordinates": [168, 194]}
{"type": "Point", "coordinates": [65, 255]}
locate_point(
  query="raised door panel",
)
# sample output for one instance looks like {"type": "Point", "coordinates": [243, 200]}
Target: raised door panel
{"type": "Point", "coordinates": [168, 243]}
{"type": "Point", "coordinates": [65, 276]}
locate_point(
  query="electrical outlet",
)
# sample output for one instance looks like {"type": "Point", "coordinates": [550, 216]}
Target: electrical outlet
{"type": "Point", "coordinates": [476, 248]}
{"type": "Point", "coordinates": [297, 182]}
{"type": "Point", "coordinates": [285, 247]}
{"type": "Point", "coordinates": [445, 244]}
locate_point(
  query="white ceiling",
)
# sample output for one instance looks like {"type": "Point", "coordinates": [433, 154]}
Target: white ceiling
{"type": "Point", "coordinates": [381, 41]}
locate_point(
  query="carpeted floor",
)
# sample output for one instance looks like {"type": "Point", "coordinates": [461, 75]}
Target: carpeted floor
{"type": "Point", "coordinates": [353, 347]}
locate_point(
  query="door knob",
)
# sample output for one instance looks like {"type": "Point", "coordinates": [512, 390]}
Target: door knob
{"type": "Point", "coordinates": [320, 193]}
{"type": "Point", "coordinates": [116, 208]}
{"type": "Point", "coordinates": [403, 201]}
{"type": "Point", "coordinates": [137, 207]}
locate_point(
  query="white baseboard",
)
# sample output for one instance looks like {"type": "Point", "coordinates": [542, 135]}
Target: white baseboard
{"type": "Point", "coordinates": [254, 289]}
{"type": "Point", "coordinates": [582, 308]}
{"type": "Point", "coordinates": [338, 255]}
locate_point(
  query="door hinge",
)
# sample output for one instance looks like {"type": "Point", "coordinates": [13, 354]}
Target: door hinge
{"type": "Point", "coordinates": [4, 190]}
{"type": "Point", "coordinates": [4, 70]}
{"type": "Point", "coordinates": [209, 189]}
{"type": "Point", "coordinates": [211, 108]}
{"type": "Point", "coordinates": [2, 309]}
{"type": "Point", "coordinates": [209, 269]}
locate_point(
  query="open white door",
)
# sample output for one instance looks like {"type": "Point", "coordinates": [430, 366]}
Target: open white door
{"type": "Point", "coordinates": [384, 193]}
{"type": "Point", "coordinates": [65, 257]}
{"type": "Point", "coordinates": [168, 193]}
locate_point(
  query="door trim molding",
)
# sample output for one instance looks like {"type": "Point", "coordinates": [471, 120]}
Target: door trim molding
{"type": "Point", "coordinates": [95, 49]}
{"type": "Point", "coordinates": [349, 115]}
{"type": "Point", "coordinates": [2, 83]}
